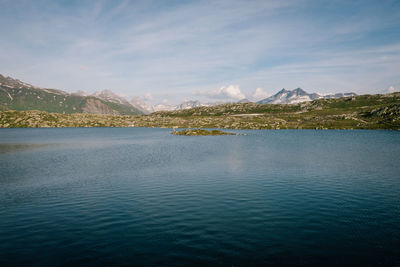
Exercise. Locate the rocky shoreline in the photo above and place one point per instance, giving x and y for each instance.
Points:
(200, 132)
(361, 112)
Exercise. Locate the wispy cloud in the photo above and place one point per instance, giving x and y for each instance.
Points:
(177, 48)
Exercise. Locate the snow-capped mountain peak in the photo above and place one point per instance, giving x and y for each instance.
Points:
(140, 104)
(298, 95)
(10, 82)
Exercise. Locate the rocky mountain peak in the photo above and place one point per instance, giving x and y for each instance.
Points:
(299, 91)
(282, 91)
(109, 95)
(10, 82)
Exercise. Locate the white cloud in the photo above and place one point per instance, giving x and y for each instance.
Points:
(225, 92)
(134, 47)
(260, 94)
(231, 91)
(390, 90)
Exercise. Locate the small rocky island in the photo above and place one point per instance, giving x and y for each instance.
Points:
(197, 132)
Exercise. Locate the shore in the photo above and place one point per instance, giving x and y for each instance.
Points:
(361, 112)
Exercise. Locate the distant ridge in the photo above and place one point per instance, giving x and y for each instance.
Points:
(140, 104)
(18, 95)
(110, 96)
(298, 95)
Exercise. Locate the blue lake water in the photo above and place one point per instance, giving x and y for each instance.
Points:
(140, 196)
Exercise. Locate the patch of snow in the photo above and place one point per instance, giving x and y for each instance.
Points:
(8, 94)
(300, 99)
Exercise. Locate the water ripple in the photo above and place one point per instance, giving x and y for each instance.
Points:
(138, 196)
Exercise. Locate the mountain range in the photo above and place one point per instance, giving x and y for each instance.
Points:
(184, 105)
(297, 96)
(18, 95)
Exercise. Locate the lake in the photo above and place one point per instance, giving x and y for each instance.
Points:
(141, 196)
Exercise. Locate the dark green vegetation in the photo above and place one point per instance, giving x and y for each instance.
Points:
(359, 112)
(201, 132)
(16, 95)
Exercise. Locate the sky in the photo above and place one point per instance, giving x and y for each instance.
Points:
(169, 51)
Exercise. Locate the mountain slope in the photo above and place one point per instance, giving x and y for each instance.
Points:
(18, 95)
(141, 105)
(110, 96)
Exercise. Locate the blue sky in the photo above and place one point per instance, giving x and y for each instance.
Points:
(169, 51)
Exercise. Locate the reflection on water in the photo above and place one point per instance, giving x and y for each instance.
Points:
(6, 148)
(138, 196)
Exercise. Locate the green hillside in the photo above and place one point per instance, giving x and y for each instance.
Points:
(16, 95)
(359, 112)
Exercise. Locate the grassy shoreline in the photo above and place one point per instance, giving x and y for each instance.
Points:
(361, 112)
